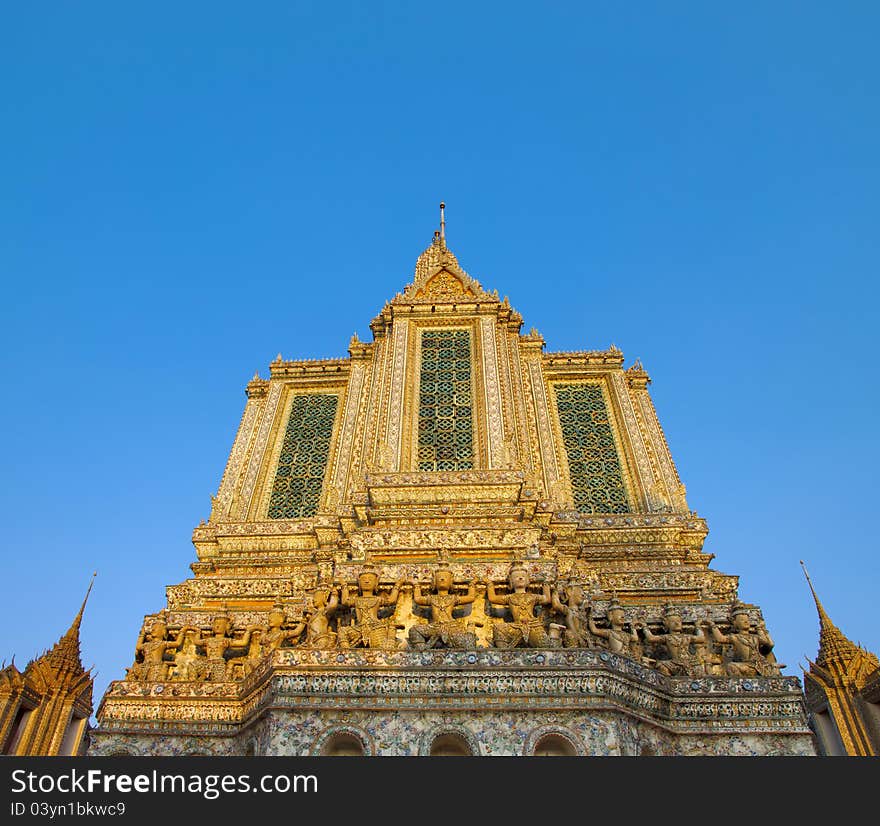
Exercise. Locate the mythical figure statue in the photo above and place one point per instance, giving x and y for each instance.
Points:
(681, 660)
(238, 667)
(368, 629)
(710, 661)
(324, 603)
(526, 629)
(751, 650)
(264, 641)
(279, 631)
(218, 644)
(152, 646)
(188, 665)
(569, 600)
(617, 639)
(443, 629)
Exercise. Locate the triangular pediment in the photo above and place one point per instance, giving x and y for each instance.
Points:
(445, 285)
(439, 277)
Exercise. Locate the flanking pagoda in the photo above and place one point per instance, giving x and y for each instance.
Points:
(452, 542)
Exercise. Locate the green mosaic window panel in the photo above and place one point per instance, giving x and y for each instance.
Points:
(300, 474)
(446, 427)
(593, 463)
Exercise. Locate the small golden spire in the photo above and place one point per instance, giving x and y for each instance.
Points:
(78, 619)
(834, 645)
(442, 223)
(64, 655)
(824, 620)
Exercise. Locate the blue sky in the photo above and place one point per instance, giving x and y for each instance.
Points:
(188, 189)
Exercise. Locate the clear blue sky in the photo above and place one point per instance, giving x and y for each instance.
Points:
(184, 187)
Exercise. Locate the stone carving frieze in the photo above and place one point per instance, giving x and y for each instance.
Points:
(447, 477)
(643, 520)
(271, 543)
(714, 584)
(433, 539)
(254, 566)
(428, 513)
(278, 527)
(214, 710)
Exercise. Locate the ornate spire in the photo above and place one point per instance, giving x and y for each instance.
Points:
(439, 277)
(834, 646)
(65, 654)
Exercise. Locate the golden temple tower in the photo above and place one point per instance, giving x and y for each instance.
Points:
(45, 710)
(843, 691)
(452, 542)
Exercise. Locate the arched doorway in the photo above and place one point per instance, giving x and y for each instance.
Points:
(450, 744)
(343, 744)
(554, 745)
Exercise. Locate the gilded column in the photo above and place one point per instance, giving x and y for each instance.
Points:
(258, 449)
(257, 390)
(665, 472)
(373, 414)
(538, 397)
(343, 454)
(394, 412)
(633, 438)
(492, 391)
(525, 430)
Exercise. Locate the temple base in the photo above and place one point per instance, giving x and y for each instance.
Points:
(484, 702)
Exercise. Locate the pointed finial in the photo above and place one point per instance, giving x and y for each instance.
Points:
(804, 568)
(812, 589)
(78, 619)
(824, 619)
(442, 222)
(833, 645)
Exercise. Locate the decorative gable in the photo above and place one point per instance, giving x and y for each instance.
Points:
(439, 276)
(445, 285)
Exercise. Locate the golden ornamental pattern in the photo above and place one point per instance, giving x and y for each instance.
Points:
(492, 393)
(344, 450)
(635, 440)
(394, 411)
(258, 448)
(223, 501)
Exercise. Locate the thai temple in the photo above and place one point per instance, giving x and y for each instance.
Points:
(452, 541)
